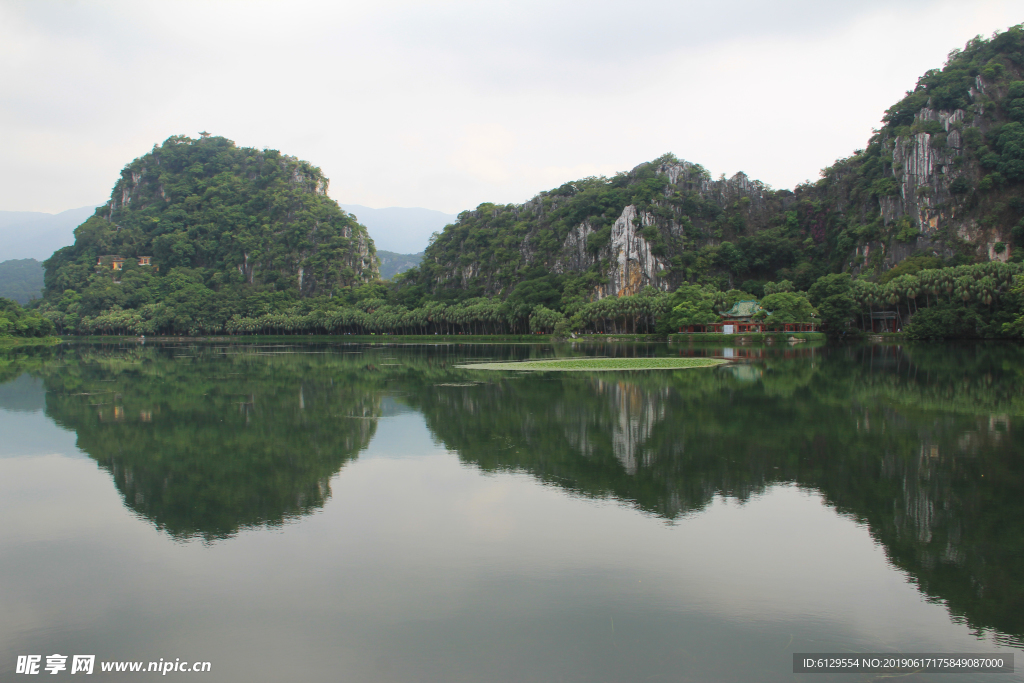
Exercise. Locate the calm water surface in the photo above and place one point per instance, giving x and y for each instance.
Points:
(318, 512)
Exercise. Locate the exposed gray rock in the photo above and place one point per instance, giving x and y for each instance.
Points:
(633, 265)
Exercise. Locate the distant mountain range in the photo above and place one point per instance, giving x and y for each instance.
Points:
(21, 280)
(35, 235)
(400, 230)
(391, 264)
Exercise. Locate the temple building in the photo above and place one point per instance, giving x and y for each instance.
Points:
(116, 262)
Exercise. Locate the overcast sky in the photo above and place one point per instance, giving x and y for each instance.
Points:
(448, 104)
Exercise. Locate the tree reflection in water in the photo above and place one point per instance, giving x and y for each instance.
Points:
(915, 442)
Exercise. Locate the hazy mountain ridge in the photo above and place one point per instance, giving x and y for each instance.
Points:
(392, 264)
(29, 234)
(398, 229)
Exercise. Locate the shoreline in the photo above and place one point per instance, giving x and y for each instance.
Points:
(10, 342)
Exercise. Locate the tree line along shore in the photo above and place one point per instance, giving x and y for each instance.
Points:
(973, 301)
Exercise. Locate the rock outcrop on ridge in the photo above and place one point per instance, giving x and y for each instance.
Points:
(943, 176)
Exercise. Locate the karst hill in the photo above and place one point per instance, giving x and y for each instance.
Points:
(200, 235)
(942, 177)
(233, 215)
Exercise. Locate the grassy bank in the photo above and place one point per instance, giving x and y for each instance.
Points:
(694, 338)
(331, 339)
(597, 364)
(11, 342)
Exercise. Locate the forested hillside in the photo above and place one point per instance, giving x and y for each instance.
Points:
(17, 322)
(21, 280)
(928, 217)
(228, 230)
(391, 264)
(943, 177)
(945, 173)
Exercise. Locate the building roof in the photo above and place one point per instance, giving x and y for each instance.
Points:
(742, 309)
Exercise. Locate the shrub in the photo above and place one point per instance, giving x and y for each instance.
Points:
(906, 230)
(960, 186)
(944, 321)
(596, 241)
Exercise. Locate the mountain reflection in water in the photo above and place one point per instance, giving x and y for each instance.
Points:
(916, 443)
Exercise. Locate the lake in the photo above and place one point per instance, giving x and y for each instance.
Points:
(354, 512)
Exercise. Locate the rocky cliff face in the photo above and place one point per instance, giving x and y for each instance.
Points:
(672, 208)
(631, 263)
(944, 176)
(925, 167)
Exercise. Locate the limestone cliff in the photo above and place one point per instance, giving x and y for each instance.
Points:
(937, 179)
(635, 230)
(944, 176)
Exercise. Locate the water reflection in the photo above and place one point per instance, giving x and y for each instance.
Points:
(205, 443)
(207, 440)
(916, 443)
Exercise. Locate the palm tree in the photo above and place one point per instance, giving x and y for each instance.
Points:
(964, 287)
(986, 289)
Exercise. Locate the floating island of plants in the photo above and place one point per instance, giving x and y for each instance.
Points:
(592, 364)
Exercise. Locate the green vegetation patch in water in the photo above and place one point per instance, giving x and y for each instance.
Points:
(590, 364)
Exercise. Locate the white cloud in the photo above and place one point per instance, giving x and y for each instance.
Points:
(449, 104)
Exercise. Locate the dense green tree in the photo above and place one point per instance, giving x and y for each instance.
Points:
(232, 215)
(543, 320)
(787, 307)
(832, 295)
(1010, 144)
(691, 305)
(17, 322)
(944, 321)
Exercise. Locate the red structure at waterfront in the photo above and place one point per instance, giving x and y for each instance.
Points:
(740, 320)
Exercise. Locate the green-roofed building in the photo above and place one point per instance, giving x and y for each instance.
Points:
(742, 312)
